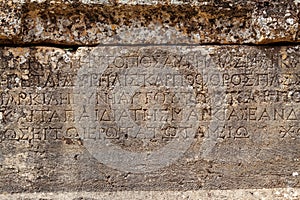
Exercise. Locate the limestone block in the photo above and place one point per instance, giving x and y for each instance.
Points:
(150, 117)
(92, 22)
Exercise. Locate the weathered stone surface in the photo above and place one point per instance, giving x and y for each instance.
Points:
(150, 113)
(149, 118)
(249, 194)
(95, 22)
(10, 21)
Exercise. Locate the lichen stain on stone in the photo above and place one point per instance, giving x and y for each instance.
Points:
(160, 22)
(164, 22)
(74, 22)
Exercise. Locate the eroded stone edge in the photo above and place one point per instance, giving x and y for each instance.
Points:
(93, 22)
(274, 193)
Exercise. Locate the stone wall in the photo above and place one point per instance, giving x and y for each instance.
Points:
(163, 99)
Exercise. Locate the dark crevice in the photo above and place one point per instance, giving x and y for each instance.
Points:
(74, 47)
(274, 44)
(61, 46)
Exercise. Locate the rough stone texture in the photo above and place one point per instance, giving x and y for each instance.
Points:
(92, 22)
(249, 194)
(10, 15)
(151, 112)
(236, 126)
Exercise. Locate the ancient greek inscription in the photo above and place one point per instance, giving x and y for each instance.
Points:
(144, 106)
(140, 109)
